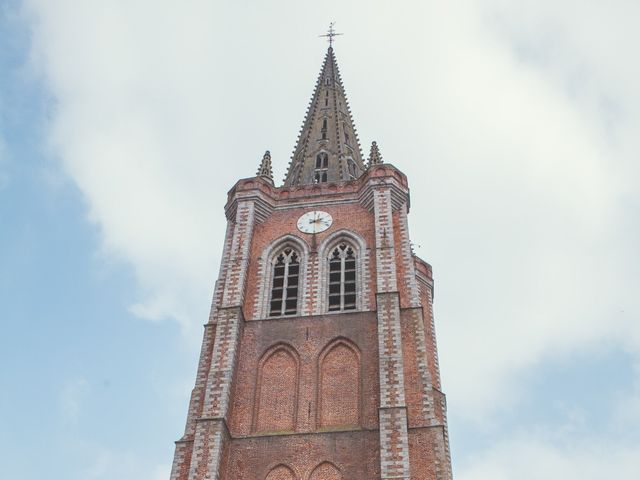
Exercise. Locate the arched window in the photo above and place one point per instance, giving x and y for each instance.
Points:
(322, 166)
(284, 289)
(351, 169)
(342, 278)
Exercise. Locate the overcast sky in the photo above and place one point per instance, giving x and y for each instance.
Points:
(124, 123)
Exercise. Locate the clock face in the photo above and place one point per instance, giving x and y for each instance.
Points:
(314, 222)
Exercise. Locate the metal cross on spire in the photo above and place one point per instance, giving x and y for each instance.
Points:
(331, 33)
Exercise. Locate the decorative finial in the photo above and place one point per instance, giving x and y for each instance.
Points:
(330, 34)
(265, 168)
(374, 156)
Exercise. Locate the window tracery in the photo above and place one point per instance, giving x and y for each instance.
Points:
(284, 286)
(342, 278)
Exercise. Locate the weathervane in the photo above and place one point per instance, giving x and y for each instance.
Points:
(331, 33)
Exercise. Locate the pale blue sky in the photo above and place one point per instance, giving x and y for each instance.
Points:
(123, 124)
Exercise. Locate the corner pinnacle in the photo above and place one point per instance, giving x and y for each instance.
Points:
(264, 171)
(374, 156)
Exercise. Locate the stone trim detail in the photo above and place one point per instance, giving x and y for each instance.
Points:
(211, 437)
(412, 292)
(210, 440)
(398, 191)
(311, 298)
(196, 403)
(448, 473)
(394, 441)
(181, 460)
(218, 289)
(437, 383)
(385, 249)
(394, 447)
(390, 351)
(234, 287)
(223, 361)
(419, 337)
(265, 273)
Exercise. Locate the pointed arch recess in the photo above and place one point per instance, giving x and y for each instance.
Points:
(280, 472)
(265, 272)
(326, 471)
(276, 397)
(362, 268)
(339, 391)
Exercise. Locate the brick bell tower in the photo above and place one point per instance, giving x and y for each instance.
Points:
(319, 358)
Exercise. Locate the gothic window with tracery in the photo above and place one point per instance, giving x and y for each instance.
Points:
(284, 289)
(322, 166)
(342, 278)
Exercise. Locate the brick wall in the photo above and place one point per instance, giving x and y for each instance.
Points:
(319, 395)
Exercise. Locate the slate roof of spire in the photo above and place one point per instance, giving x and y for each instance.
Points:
(328, 128)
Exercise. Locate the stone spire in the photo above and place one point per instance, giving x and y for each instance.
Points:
(374, 156)
(264, 170)
(328, 149)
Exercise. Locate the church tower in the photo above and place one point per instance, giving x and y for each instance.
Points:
(319, 357)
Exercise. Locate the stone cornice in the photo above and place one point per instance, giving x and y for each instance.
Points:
(268, 198)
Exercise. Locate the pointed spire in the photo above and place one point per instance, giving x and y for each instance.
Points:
(328, 149)
(264, 171)
(374, 156)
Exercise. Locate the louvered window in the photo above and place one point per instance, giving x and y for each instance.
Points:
(342, 278)
(284, 290)
(351, 168)
(322, 166)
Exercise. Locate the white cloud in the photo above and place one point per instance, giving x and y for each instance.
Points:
(521, 120)
(524, 198)
(135, 127)
(533, 456)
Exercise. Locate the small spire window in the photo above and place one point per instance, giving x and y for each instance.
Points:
(324, 129)
(342, 278)
(284, 289)
(351, 169)
(322, 167)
